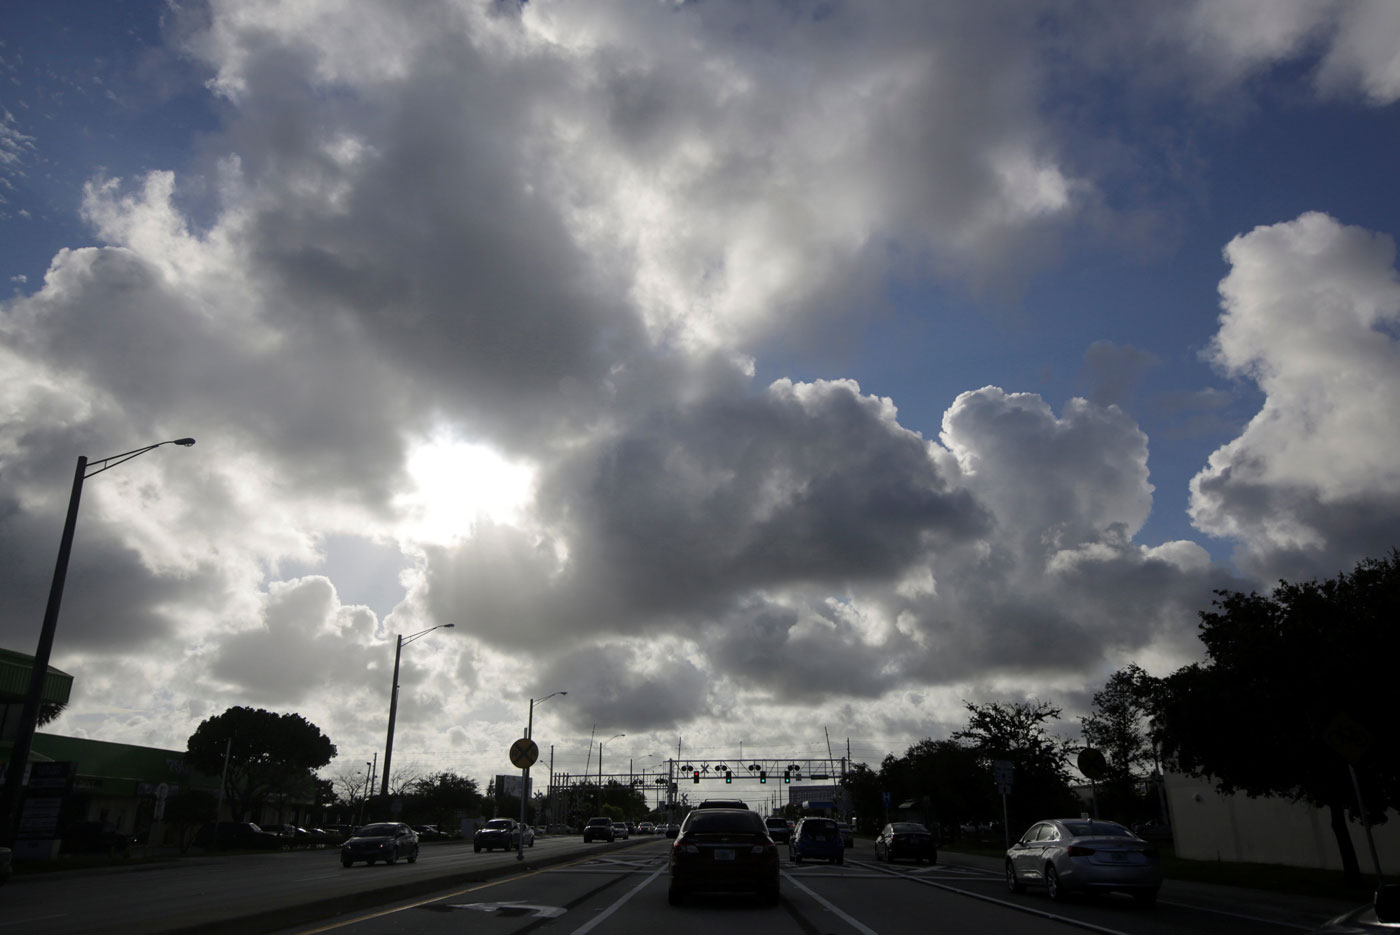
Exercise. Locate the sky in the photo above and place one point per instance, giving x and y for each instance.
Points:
(755, 373)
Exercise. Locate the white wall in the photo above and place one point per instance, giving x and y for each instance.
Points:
(1211, 826)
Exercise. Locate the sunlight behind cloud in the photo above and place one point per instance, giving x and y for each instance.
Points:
(458, 484)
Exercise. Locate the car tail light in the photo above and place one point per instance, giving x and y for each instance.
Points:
(1079, 850)
(685, 848)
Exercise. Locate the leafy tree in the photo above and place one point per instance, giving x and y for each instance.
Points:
(955, 780)
(866, 795)
(1018, 731)
(440, 797)
(1287, 673)
(1117, 726)
(269, 755)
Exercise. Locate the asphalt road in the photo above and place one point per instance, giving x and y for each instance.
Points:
(575, 889)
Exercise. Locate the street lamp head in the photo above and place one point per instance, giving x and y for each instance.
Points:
(448, 626)
(183, 442)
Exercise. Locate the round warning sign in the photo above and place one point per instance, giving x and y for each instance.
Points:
(524, 753)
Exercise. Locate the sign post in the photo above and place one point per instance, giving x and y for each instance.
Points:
(1003, 771)
(523, 753)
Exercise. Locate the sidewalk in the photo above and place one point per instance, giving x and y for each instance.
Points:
(1305, 912)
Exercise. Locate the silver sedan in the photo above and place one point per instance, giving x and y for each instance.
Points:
(1079, 854)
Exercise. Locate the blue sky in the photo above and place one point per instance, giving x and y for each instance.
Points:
(835, 360)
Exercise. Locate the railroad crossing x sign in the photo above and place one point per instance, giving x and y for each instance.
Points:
(524, 753)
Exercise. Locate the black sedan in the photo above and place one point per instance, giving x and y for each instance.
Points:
(900, 839)
(385, 840)
(498, 832)
(723, 849)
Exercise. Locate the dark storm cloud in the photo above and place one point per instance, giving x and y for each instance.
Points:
(626, 692)
(691, 507)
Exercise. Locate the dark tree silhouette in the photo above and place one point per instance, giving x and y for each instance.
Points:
(270, 755)
(1297, 683)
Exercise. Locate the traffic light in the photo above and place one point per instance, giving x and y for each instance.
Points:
(728, 776)
(787, 775)
(695, 776)
(763, 775)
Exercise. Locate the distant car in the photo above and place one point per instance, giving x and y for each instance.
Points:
(1085, 855)
(1382, 915)
(901, 839)
(671, 830)
(620, 830)
(778, 829)
(723, 849)
(384, 840)
(848, 834)
(238, 835)
(498, 832)
(816, 838)
(646, 827)
(599, 829)
(430, 833)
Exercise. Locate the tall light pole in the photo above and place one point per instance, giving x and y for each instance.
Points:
(525, 775)
(29, 715)
(394, 697)
(600, 767)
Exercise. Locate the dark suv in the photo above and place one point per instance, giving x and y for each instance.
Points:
(599, 829)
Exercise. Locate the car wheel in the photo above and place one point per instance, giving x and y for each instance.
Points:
(840, 860)
(1053, 889)
(675, 895)
(797, 859)
(347, 863)
(532, 843)
(1145, 898)
(476, 848)
(1013, 882)
(391, 859)
(933, 858)
(413, 856)
(769, 895)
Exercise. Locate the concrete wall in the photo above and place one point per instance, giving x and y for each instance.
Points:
(1211, 826)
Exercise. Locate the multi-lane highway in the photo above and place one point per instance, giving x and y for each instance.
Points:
(575, 889)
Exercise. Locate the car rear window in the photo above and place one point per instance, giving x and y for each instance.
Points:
(907, 827)
(1084, 829)
(713, 820)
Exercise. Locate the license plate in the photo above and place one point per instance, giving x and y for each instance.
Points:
(819, 837)
(724, 855)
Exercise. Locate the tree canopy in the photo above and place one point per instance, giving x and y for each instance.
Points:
(1289, 677)
(269, 755)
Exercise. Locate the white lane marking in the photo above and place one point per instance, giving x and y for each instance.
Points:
(596, 920)
(1030, 910)
(1238, 915)
(56, 915)
(540, 912)
(855, 924)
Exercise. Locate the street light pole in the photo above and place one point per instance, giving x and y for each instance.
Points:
(525, 776)
(29, 715)
(600, 767)
(394, 698)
